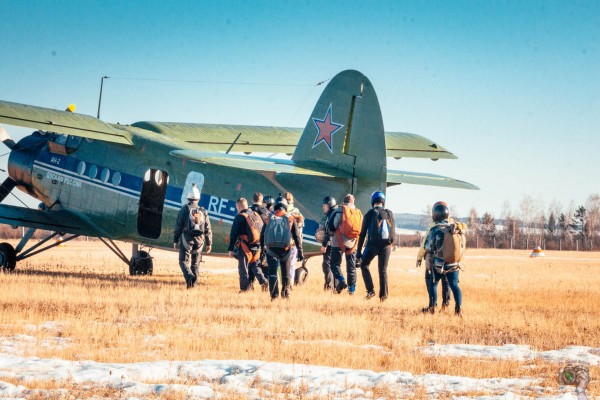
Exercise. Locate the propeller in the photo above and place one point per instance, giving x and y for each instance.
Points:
(6, 139)
(9, 184)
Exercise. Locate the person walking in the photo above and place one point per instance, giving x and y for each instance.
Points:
(329, 206)
(444, 264)
(429, 265)
(346, 224)
(244, 244)
(277, 237)
(192, 230)
(378, 229)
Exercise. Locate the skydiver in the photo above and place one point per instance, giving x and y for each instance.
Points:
(192, 228)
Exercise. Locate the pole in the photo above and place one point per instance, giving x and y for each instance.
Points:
(100, 98)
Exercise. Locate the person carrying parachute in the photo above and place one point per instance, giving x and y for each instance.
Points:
(244, 238)
(446, 242)
(278, 235)
(378, 228)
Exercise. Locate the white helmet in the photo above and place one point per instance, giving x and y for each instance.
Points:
(193, 194)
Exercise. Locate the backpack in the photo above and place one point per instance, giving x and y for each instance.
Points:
(261, 211)
(255, 225)
(278, 232)
(455, 242)
(382, 231)
(298, 217)
(196, 220)
(351, 222)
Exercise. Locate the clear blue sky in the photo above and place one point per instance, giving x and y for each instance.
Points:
(511, 87)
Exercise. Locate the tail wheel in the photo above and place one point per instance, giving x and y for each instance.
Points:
(8, 257)
(141, 265)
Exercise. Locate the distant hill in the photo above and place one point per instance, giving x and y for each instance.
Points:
(412, 222)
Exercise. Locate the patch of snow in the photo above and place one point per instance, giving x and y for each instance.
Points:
(573, 354)
(246, 377)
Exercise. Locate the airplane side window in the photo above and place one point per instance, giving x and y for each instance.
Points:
(105, 175)
(147, 175)
(116, 179)
(81, 167)
(158, 177)
(93, 171)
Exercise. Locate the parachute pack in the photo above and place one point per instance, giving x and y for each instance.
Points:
(196, 220)
(278, 232)
(455, 242)
(351, 222)
(255, 225)
(382, 229)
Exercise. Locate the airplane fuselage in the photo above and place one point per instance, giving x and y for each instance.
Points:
(133, 193)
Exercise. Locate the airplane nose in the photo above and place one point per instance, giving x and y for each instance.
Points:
(20, 161)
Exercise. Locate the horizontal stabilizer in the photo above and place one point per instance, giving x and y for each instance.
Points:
(417, 178)
(59, 221)
(64, 122)
(410, 145)
(257, 163)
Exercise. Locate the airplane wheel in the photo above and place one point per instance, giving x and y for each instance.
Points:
(301, 274)
(8, 257)
(141, 265)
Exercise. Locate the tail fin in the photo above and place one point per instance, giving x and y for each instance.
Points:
(345, 131)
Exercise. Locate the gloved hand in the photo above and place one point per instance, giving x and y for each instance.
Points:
(208, 249)
(175, 246)
(300, 255)
(419, 263)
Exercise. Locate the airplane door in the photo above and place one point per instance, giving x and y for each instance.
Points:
(152, 200)
(193, 177)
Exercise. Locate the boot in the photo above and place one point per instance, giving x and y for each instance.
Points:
(370, 295)
(341, 286)
(445, 304)
(428, 310)
(458, 311)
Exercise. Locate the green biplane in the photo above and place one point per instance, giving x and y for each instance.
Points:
(127, 182)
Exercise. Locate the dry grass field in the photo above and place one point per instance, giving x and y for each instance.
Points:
(82, 293)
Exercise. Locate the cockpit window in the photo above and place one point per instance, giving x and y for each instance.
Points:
(63, 144)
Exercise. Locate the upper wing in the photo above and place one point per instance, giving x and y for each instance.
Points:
(61, 220)
(272, 139)
(257, 163)
(416, 178)
(64, 122)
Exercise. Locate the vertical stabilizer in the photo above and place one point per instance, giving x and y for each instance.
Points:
(345, 131)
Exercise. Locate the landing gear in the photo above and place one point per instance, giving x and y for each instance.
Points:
(141, 264)
(8, 257)
(301, 274)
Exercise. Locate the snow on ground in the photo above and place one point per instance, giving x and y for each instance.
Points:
(572, 354)
(207, 378)
(258, 379)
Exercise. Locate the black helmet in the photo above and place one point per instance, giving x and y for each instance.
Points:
(330, 201)
(269, 201)
(440, 212)
(281, 203)
(377, 197)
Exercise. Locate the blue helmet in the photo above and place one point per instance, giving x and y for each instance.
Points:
(377, 197)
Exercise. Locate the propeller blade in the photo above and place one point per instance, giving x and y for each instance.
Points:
(6, 139)
(6, 187)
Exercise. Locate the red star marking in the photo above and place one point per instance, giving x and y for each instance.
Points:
(326, 128)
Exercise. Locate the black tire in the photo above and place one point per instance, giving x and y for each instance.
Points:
(142, 264)
(300, 275)
(8, 257)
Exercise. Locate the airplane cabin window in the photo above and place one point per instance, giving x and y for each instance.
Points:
(93, 171)
(116, 179)
(105, 175)
(81, 167)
